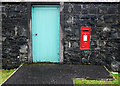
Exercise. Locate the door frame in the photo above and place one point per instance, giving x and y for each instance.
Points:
(30, 54)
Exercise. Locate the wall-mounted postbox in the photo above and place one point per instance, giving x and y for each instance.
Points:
(85, 38)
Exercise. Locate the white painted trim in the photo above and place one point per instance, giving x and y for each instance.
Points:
(73, 79)
(59, 0)
(12, 74)
(110, 73)
(61, 34)
(114, 72)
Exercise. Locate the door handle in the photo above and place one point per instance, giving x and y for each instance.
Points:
(35, 34)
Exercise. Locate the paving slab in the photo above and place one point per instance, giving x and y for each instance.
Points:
(47, 74)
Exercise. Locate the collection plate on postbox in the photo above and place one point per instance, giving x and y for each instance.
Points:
(85, 38)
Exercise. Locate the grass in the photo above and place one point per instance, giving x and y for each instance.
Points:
(4, 74)
(82, 82)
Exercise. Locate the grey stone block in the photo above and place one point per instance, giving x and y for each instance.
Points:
(115, 65)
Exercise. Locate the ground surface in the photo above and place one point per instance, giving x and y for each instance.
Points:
(56, 74)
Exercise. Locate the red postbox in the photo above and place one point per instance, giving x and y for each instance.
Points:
(85, 38)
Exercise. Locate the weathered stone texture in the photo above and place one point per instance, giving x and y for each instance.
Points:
(104, 20)
(0, 37)
(14, 34)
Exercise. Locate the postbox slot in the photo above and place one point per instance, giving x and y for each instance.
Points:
(85, 30)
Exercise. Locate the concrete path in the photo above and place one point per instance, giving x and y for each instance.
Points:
(56, 74)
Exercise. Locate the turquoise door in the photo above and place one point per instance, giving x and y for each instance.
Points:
(46, 33)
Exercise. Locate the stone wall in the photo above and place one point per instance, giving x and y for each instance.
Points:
(15, 33)
(103, 18)
(0, 37)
